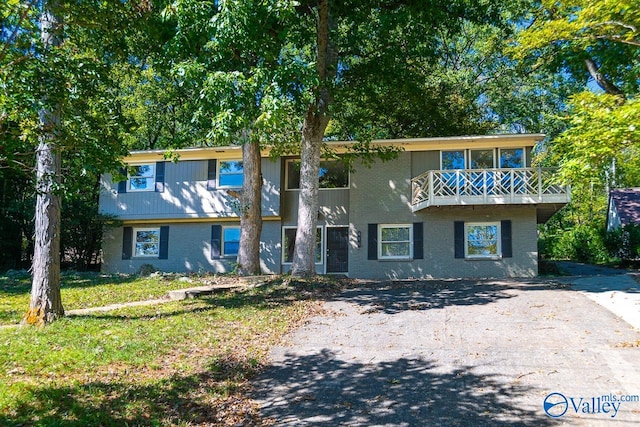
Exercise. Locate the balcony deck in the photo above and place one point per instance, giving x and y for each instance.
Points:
(487, 187)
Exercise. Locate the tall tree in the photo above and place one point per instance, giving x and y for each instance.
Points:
(235, 62)
(360, 51)
(58, 102)
(46, 302)
(599, 44)
(315, 123)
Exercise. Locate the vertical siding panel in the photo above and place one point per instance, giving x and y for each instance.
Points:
(271, 188)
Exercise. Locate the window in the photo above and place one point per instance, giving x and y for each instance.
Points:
(452, 160)
(289, 241)
(395, 241)
(230, 241)
(230, 173)
(146, 242)
(481, 159)
(482, 240)
(512, 158)
(332, 174)
(142, 177)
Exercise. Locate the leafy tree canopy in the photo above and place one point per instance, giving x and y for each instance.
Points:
(589, 39)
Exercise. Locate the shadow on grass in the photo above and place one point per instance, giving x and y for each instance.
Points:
(269, 296)
(22, 284)
(320, 389)
(212, 397)
(386, 297)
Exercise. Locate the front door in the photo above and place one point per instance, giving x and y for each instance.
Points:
(337, 249)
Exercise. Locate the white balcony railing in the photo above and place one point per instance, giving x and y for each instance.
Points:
(487, 187)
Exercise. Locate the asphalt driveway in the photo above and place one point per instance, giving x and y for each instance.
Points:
(457, 353)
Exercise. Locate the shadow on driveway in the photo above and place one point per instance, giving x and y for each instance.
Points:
(320, 389)
(433, 294)
(450, 353)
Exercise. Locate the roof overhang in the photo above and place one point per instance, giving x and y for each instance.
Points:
(407, 144)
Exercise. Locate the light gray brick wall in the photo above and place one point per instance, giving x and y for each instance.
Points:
(381, 195)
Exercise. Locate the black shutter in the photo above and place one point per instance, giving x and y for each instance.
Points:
(216, 234)
(122, 185)
(159, 177)
(505, 230)
(127, 242)
(418, 247)
(372, 242)
(164, 242)
(211, 175)
(458, 238)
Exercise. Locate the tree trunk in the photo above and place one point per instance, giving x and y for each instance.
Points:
(250, 211)
(46, 302)
(313, 128)
(304, 257)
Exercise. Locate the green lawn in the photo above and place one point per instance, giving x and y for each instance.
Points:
(83, 290)
(178, 363)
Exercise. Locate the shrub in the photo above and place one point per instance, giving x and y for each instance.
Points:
(624, 242)
(583, 242)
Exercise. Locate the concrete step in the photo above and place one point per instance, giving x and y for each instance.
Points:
(199, 291)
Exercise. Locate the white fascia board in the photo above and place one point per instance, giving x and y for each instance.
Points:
(408, 144)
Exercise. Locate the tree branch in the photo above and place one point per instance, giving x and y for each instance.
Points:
(602, 81)
(16, 30)
(618, 24)
(619, 39)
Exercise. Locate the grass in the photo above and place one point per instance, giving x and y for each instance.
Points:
(84, 290)
(178, 363)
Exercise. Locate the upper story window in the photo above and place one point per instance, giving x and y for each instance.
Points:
(142, 177)
(481, 159)
(482, 240)
(332, 174)
(231, 173)
(452, 160)
(512, 158)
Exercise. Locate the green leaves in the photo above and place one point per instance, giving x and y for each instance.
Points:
(602, 142)
(565, 34)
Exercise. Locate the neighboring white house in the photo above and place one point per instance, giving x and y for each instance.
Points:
(445, 207)
(624, 208)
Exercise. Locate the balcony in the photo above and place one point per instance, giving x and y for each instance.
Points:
(487, 187)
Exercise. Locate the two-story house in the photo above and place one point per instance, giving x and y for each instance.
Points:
(445, 207)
